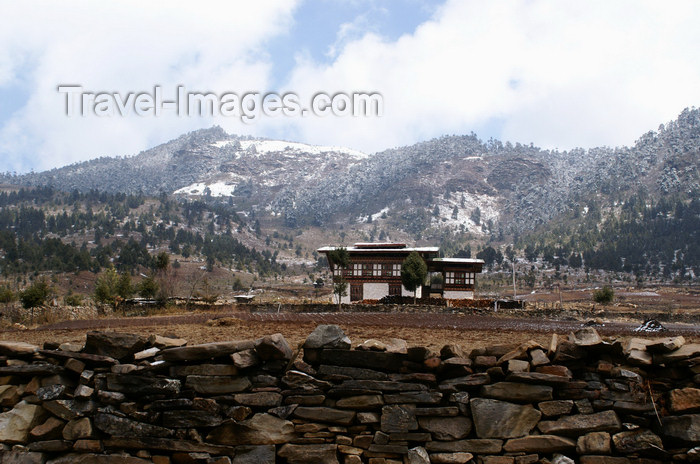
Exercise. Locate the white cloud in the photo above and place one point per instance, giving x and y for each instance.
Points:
(126, 46)
(556, 73)
(552, 72)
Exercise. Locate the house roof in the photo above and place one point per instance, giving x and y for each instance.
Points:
(381, 248)
(459, 260)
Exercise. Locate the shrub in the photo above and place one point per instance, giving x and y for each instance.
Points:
(6, 295)
(35, 295)
(604, 295)
(148, 288)
(73, 299)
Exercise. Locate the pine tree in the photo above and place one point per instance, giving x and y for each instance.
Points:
(413, 273)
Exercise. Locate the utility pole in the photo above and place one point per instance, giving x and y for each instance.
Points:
(514, 293)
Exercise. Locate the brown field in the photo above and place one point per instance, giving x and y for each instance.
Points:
(433, 330)
(677, 308)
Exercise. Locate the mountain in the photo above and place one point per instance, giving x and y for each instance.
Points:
(453, 182)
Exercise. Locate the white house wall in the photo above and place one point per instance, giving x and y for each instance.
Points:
(457, 294)
(375, 291)
(405, 292)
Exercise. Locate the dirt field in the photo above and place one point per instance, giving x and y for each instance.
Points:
(418, 329)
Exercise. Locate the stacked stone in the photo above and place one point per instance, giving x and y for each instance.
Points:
(123, 398)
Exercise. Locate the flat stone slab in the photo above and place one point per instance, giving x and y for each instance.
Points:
(93, 360)
(203, 369)
(40, 369)
(517, 392)
(167, 444)
(636, 441)
(360, 402)
(684, 400)
(17, 349)
(446, 428)
(135, 385)
(684, 428)
(499, 419)
(390, 362)
(467, 382)
(399, 418)
(90, 458)
(537, 378)
(556, 407)
(190, 419)
(451, 458)
(121, 426)
(206, 351)
(665, 345)
(261, 429)
(605, 421)
(543, 444)
(217, 385)
(304, 454)
(356, 373)
(476, 446)
(259, 399)
(322, 414)
(685, 352)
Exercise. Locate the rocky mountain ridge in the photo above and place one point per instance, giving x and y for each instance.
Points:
(457, 182)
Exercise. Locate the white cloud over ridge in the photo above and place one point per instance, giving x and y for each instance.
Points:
(556, 73)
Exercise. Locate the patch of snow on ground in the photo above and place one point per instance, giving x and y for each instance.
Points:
(276, 146)
(218, 189)
(376, 216)
(486, 203)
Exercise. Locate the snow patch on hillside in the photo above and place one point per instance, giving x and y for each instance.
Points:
(463, 221)
(281, 146)
(217, 189)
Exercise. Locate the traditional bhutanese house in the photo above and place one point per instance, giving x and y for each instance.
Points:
(375, 272)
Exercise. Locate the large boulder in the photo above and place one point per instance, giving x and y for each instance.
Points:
(499, 419)
(117, 345)
(327, 336)
(273, 347)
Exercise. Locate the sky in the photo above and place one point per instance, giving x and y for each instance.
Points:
(559, 74)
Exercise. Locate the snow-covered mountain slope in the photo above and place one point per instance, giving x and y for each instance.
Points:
(452, 182)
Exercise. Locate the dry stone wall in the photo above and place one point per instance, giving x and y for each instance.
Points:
(122, 398)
